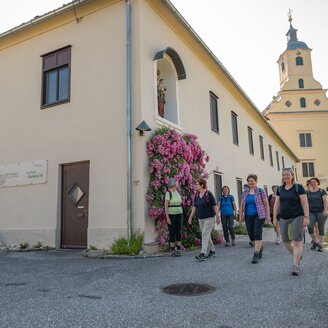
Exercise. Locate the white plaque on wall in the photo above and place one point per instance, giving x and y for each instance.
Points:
(22, 174)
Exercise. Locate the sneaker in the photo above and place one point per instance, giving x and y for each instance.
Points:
(201, 257)
(251, 244)
(295, 270)
(256, 258)
(211, 254)
(177, 253)
(320, 248)
(314, 246)
(278, 242)
(227, 243)
(233, 242)
(260, 253)
(173, 253)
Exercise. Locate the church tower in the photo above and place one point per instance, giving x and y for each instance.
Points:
(299, 112)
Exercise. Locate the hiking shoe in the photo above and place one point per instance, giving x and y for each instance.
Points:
(295, 270)
(201, 257)
(227, 243)
(233, 242)
(260, 253)
(320, 248)
(173, 253)
(314, 246)
(251, 244)
(278, 242)
(256, 258)
(211, 254)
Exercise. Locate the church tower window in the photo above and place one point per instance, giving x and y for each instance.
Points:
(299, 61)
(303, 102)
(301, 83)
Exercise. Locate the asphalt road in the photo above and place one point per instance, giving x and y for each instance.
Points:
(58, 289)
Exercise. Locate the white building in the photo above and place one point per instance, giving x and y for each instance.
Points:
(64, 99)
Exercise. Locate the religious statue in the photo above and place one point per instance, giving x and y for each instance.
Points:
(161, 91)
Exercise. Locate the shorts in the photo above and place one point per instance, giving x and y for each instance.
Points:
(292, 229)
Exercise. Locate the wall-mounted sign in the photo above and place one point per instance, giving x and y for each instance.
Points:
(22, 174)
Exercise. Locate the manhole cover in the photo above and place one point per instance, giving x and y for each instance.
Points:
(188, 289)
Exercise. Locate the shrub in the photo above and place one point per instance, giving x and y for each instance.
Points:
(24, 245)
(38, 245)
(93, 248)
(132, 246)
(171, 154)
(240, 229)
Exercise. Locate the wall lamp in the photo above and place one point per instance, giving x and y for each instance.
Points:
(143, 126)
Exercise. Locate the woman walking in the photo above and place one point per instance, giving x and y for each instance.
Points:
(254, 208)
(292, 206)
(272, 199)
(174, 216)
(227, 207)
(318, 208)
(206, 209)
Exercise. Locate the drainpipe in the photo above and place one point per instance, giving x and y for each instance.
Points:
(128, 116)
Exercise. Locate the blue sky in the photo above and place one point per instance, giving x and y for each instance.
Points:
(246, 36)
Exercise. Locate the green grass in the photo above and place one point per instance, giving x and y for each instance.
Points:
(38, 245)
(24, 245)
(133, 246)
(240, 230)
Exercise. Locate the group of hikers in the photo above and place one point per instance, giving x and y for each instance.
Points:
(290, 208)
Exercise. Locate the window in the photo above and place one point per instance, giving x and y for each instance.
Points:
(305, 139)
(239, 189)
(261, 147)
(56, 67)
(308, 169)
(234, 128)
(250, 140)
(301, 83)
(317, 102)
(302, 102)
(282, 66)
(299, 61)
(214, 112)
(217, 184)
(270, 155)
(288, 103)
(283, 161)
(278, 163)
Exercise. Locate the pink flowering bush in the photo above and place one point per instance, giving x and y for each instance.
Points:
(171, 154)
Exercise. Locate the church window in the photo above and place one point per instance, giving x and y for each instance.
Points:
(303, 102)
(288, 103)
(301, 83)
(299, 61)
(282, 66)
(317, 102)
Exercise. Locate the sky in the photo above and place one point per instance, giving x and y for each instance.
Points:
(246, 36)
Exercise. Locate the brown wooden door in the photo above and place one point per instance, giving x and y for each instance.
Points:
(75, 206)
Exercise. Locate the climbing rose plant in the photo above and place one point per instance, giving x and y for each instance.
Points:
(171, 154)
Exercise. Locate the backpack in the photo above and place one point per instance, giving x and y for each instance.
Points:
(230, 197)
(207, 195)
(170, 192)
(296, 189)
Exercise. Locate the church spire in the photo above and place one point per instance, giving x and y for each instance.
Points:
(292, 40)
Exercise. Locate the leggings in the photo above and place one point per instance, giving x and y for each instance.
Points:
(321, 219)
(254, 227)
(227, 225)
(175, 227)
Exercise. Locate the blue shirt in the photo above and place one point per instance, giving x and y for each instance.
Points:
(226, 204)
(250, 206)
